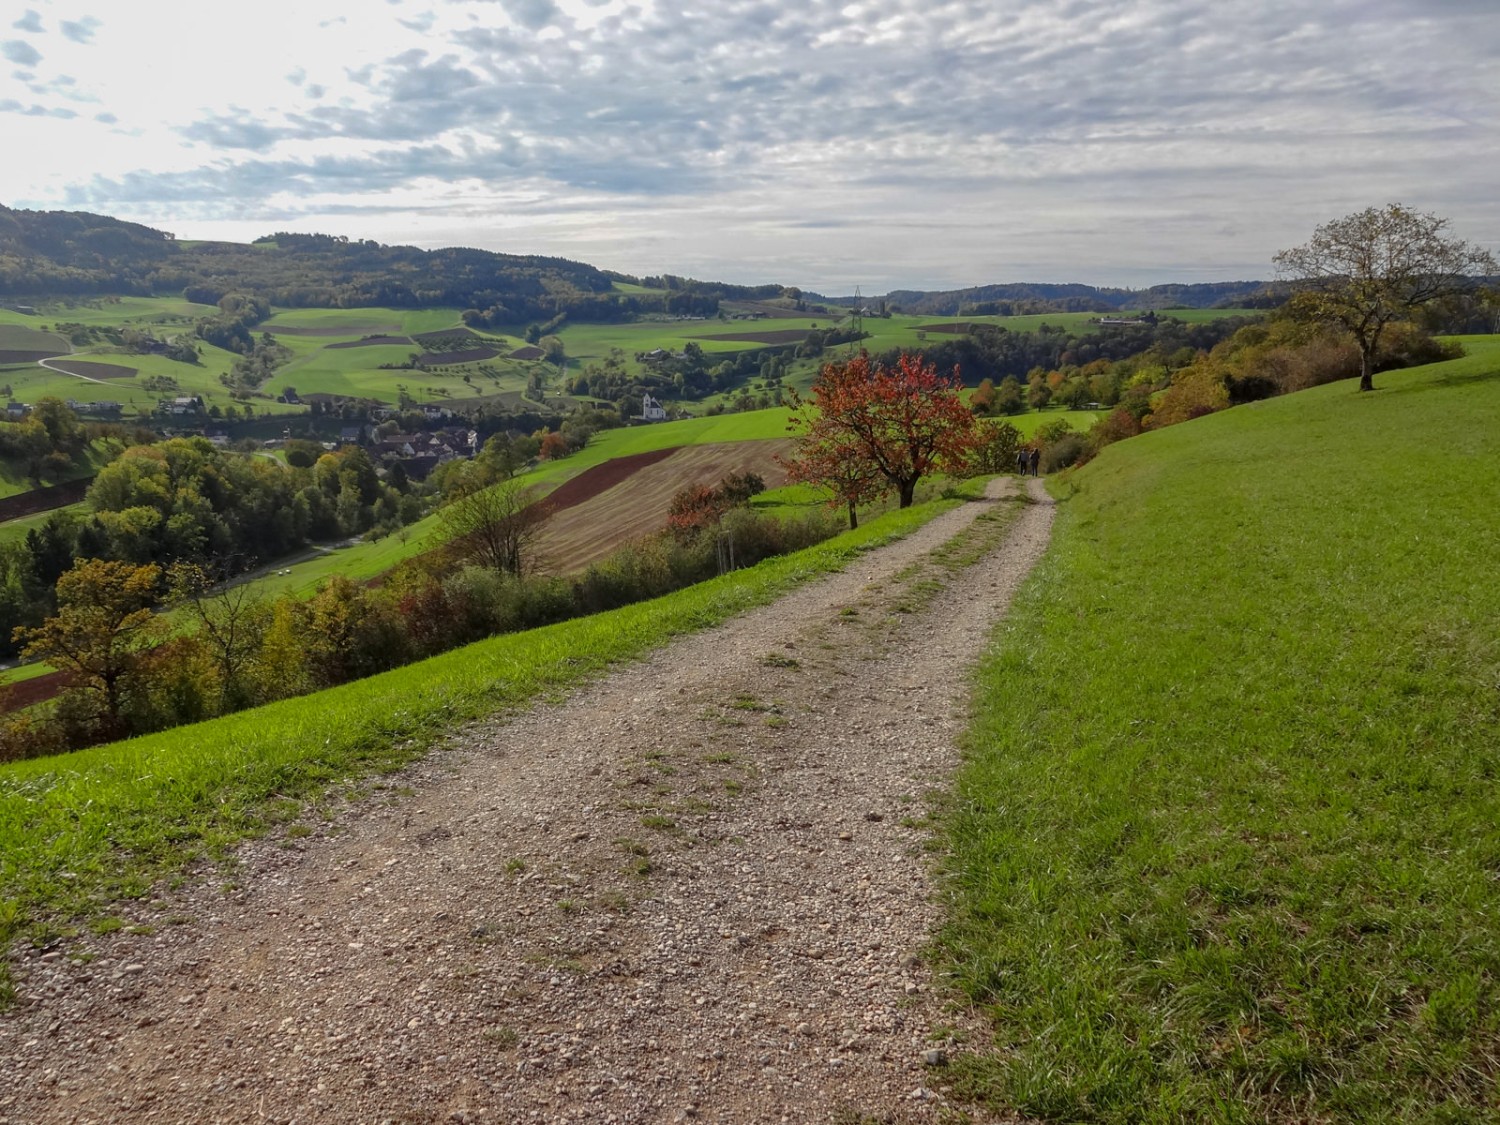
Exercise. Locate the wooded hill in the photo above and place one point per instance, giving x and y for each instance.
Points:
(1024, 298)
(76, 253)
(59, 253)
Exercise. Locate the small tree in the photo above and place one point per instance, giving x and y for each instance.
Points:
(230, 619)
(495, 527)
(902, 423)
(1377, 266)
(104, 623)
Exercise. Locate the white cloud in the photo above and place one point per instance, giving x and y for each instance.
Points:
(959, 140)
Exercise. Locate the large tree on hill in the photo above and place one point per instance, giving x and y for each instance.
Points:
(866, 421)
(1377, 266)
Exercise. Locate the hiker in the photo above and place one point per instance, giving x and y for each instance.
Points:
(1022, 458)
(1036, 460)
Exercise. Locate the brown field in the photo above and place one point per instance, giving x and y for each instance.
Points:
(428, 338)
(26, 693)
(530, 351)
(445, 359)
(43, 499)
(93, 370)
(10, 356)
(770, 336)
(344, 330)
(371, 342)
(634, 504)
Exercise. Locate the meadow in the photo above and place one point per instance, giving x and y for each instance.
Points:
(81, 831)
(1226, 843)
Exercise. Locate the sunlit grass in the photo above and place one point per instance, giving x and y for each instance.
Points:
(1226, 845)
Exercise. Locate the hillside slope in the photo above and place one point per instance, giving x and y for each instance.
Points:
(1228, 837)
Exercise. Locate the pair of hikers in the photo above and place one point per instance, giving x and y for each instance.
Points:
(1028, 461)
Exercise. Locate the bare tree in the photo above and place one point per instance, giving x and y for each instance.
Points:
(495, 526)
(231, 620)
(1377, 266)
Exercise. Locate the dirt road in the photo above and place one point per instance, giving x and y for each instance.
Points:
(695, 890)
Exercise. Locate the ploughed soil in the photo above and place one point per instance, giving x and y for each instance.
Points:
(38, 689)
(369, 342)
(345, 330)
(599, 478)
(12, 355)
(43, 499)
(443, 359)
(630, 501)
(528, 352)
(91, 370)
(428, 339)
(698, 889)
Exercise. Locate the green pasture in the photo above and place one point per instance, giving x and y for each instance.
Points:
(81, 831)
(12, 531)
(26, 338)
(364, 321)
(1226, 842)
(135, 311)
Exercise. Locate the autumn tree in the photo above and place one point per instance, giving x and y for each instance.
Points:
(901, 423)
(103, 625)
(1377, 266)
(495, 527)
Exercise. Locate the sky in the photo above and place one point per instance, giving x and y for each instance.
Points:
(884, 144)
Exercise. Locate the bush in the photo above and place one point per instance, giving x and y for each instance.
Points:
(1063, 452)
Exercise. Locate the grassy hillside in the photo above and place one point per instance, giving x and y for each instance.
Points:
(1226, 845)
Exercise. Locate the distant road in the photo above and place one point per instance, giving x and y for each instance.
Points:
(47, 363)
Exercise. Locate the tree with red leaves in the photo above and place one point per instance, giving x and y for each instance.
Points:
(869, 428)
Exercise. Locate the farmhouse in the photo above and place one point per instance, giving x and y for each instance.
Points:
(15, 411)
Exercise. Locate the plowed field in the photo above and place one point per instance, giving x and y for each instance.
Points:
(10, 356)
(444, 359)
(370, 342)
(631, 501)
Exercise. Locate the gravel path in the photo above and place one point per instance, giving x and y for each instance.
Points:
(695, 890)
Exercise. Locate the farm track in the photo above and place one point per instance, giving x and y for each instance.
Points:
(696, 889)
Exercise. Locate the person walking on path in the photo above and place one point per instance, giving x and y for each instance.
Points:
(1035, 460)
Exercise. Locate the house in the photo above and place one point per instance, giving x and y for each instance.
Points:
(181, 405)
(15, 411)
(652, 410)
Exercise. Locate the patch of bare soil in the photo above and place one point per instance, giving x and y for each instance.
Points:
(370, 342)
(443, 359)
(44, 499)
(14, 356)
(695, 890)
(635, 504)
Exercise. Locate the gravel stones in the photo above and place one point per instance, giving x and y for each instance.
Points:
(695, 890)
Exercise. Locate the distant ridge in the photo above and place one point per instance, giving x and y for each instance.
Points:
(1020, 298)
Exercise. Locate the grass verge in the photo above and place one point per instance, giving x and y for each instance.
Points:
(1227, 843)
(80, 830)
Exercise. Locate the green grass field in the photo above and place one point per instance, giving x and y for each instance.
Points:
(115, 818)
(1227, 843)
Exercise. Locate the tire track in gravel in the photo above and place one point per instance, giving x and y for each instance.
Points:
(694, 890)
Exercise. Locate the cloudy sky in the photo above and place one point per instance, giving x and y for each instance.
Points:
(880, 143)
